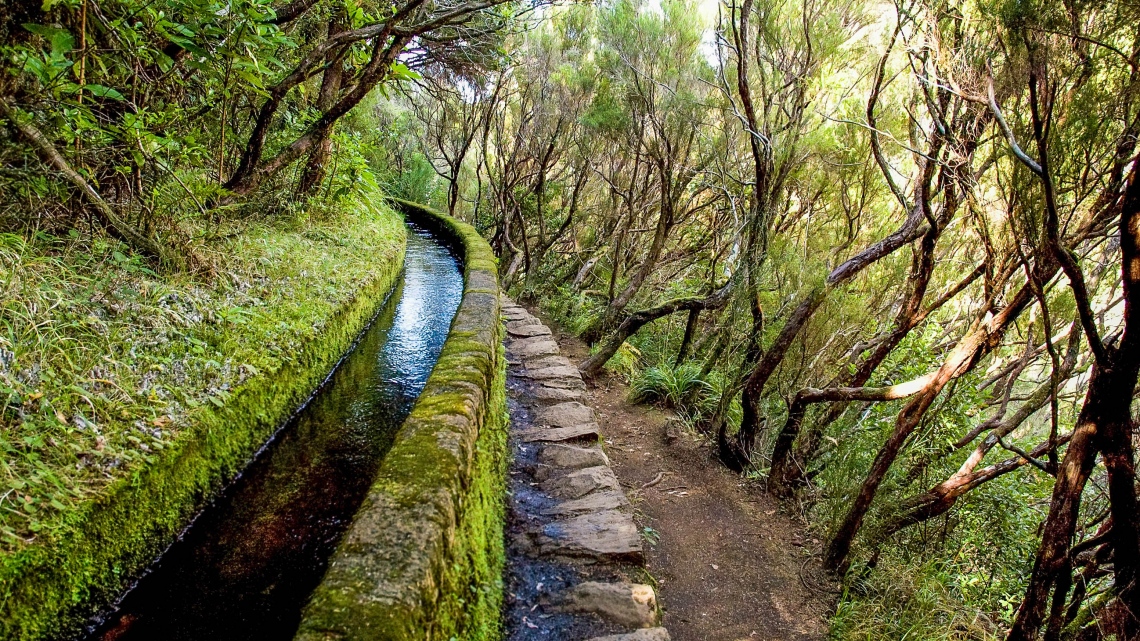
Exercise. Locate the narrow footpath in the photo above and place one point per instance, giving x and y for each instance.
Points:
(724, 562)
(575, 557)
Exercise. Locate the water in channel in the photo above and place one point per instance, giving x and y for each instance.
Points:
(245, 568)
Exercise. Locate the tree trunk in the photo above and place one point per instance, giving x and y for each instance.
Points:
(758, 378)
(51, 156)
(253, 171)
(637, 279)
(786, 472)
(1104, 426)
(316, 167)
(1060, 525)
(983, 336)
(634, 322)
(687, 341)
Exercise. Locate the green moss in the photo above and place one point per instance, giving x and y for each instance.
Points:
(48, 587)
(473, 587)
(424, 556)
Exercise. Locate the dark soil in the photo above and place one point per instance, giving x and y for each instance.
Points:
(729, 564)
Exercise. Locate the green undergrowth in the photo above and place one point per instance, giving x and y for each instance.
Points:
(129, 396)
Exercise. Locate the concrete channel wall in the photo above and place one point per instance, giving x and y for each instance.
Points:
(423, 558)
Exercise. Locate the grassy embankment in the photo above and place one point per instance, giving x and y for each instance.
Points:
(129, 396)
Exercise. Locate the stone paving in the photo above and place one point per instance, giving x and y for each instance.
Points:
(572, 544)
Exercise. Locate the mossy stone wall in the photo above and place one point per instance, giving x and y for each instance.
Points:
(48, 589)
(423, 558)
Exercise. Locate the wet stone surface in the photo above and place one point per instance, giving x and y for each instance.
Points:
(573, 550)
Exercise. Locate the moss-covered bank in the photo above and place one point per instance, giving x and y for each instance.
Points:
(423, 558)
(278, 351)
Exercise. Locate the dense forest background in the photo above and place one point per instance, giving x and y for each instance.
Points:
(881, 255)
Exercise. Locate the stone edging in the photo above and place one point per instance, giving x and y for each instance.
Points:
(423, 557)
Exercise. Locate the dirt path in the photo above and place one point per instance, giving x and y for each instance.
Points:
(728, 565)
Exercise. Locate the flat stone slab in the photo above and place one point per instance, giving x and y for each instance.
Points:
(544, 394)
(543, 362)
(572, 457)
(566, 414)
(645, 634)
(522, 341)
(524, 329)
(632, 605)
(593, 502)
(558, 434)
(564, 382)
(579, 483)
(529, 348)
(608, 535)
(550, 373)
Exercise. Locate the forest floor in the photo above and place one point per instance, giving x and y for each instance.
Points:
(728, 563)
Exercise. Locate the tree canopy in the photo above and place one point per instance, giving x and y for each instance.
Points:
(882, 255)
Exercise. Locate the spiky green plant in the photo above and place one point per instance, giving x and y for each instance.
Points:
(674, 387)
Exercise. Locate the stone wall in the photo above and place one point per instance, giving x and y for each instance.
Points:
(423, 557)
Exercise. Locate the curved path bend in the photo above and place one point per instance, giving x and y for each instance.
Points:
(574, 553)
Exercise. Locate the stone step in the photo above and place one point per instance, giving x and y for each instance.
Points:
(584, 431)
(609, 535)
(527, 348)
(571, 457)
(542, 362)
(594, 502)
(566, 414)
(556, 372)
(543, 395)
(525, 329)
(630, 605)
(578, 483)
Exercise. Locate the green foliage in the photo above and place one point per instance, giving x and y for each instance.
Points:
(674, 387)
(131, 398)
(105, 362)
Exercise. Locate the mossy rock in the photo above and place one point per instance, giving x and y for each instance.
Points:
(423, 558)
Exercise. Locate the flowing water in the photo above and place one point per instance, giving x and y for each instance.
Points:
(246, 566)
